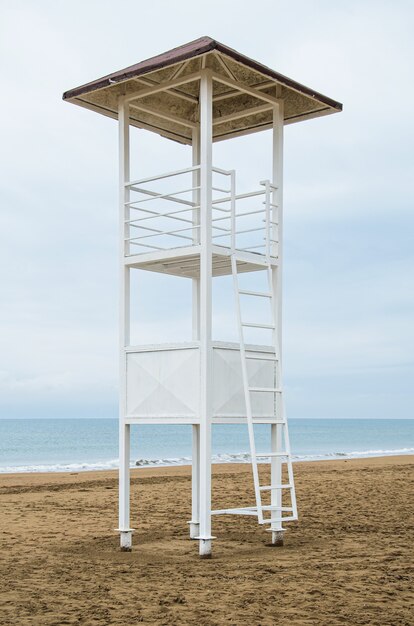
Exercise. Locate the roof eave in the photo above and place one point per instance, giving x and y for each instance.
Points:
(192, 50)
(151, 65)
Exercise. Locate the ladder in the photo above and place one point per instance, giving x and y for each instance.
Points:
(272, 514)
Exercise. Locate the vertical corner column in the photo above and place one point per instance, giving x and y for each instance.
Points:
(124, 330)
(195, 462)
(205, 307)
(277, 217)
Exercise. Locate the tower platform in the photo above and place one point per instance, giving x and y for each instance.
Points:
(185, 261)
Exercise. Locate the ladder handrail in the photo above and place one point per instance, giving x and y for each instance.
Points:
(280, 454)
(247, 394)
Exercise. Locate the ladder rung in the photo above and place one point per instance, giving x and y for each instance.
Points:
(269, 389)
(251, 510)
(273, 487)
(253, 325)
(273, 454)
(260, 294)
(239, 511)
(261, 358)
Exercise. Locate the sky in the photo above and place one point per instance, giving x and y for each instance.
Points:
(348, 337)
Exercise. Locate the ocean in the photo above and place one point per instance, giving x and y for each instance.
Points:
(72, 445)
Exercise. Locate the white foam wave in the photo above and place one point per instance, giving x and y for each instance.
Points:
(244, 457)
(59, 467)
(241, 457)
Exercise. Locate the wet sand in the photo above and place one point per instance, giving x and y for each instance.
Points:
(348, 560)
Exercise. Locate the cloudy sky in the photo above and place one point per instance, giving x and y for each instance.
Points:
(349, 219)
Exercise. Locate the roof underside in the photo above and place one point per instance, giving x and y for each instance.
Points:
(243, 93)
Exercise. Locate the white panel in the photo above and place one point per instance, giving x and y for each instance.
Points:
(228, 397)
(163, 383)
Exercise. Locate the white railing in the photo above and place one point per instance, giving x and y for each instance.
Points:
(162, 218)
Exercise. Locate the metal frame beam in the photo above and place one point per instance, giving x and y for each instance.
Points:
(176, 92)
(165, 86)
(235, 92)
(262, 108)
(256, 93)
(225, 67)
(179, 70)
(163, 115)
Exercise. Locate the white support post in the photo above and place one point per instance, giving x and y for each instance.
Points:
(195, 484)
(233, 210)
(195, 477)
(206, 140)
(124, 486)
(277, 199)
(124, 331)
(196, 232)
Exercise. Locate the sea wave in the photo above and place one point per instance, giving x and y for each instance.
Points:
(59, 467)
(244, 457)
(240, 457)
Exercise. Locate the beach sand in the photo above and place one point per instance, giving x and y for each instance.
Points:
(348, 560)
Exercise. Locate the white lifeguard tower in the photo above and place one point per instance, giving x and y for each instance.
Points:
(194, 223)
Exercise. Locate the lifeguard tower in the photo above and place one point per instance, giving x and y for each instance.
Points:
(195, 223)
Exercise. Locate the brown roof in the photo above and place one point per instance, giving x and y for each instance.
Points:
(304, 102)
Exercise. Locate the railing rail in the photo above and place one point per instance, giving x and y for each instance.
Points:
(236, 222)
(142, 181)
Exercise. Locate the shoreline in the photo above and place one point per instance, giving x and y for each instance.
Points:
(185, 470)
(237, 459)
